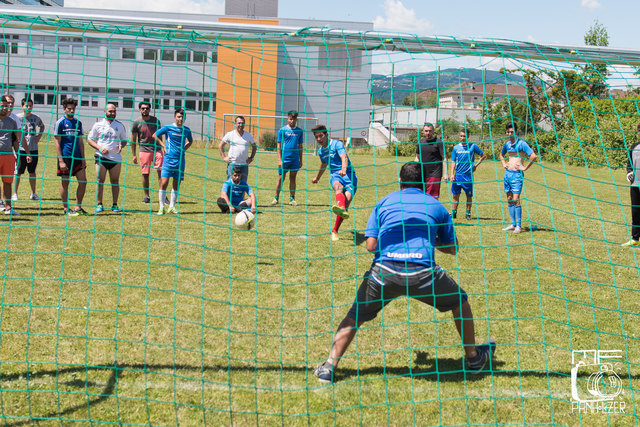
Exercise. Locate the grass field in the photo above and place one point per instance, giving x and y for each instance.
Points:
(138, 319)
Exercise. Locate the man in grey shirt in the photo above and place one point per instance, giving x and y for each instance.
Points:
(633, 176)
(10, 137)
(32, 129)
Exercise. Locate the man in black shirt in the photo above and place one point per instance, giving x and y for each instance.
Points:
(430, 154)
(633, 176)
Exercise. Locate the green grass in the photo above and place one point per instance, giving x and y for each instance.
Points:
(140, 319)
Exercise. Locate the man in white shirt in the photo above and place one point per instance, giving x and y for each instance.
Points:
(108, 137)
(239, 141)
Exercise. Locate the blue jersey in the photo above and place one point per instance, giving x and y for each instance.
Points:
(235, 192)
(406, 224)
(331, 156)
(519, 148)
(176, 138)
(464, 154)
(69, 130)
(291, 140)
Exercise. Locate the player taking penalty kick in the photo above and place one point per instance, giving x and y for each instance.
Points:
(343, 179)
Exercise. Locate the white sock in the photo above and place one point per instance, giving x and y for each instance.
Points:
(162, 194)
(174, 198)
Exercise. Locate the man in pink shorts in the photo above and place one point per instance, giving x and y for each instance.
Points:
(150, 152)
(10, 140)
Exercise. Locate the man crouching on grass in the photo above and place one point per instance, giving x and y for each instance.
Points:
(403, 231)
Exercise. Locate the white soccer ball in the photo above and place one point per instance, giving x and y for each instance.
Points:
(245, 220)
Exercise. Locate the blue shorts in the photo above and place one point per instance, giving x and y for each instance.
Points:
(289, 166)
(172, 168)
(349, 183)
(457, 187)
(513, 181)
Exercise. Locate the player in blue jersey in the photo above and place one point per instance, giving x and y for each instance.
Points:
(289, 149)
(232, 197)
(404, 230)
(70, 150)
(462, 168)
(515, 149)
(179, 139)
(343, 178)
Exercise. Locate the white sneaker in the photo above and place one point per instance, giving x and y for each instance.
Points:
(14, 197)
(11, 211)
(509, 227)
(334, 236)
(517, 230)
(274, 202)
(34, 196)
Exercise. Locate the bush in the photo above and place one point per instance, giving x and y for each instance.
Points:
(404, 149)
(268, 141)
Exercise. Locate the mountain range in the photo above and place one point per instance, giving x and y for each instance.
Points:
(406, 84)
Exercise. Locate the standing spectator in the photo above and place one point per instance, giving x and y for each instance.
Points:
(290, 149)
(108, 137)
(239, 141)
(515, 149)
(633, 176)
(32, 130)
(70, 151)
(150, 151)
(431, 155)
(10, 138)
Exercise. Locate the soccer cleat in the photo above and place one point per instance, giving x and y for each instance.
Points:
(334, 236)
(172, 210)
(293, 202)
(146, 200)
(11, 211)
(454, 214)
(324, 373)
(632, 243)
(340, 211)
(115, 209)
(467, 216)
(509, 227)
(14, 197)
(81, 212)
(99, 208)
(274, 202)
(34, 196)
(485, 353)
(71, 212)
(517, 230)
(161, 210)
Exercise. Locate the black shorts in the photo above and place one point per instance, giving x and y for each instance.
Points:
(108, 164)
(385, 282)
(73, 166)
(23, 165)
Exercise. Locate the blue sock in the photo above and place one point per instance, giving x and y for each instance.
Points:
(518, 214)
(512, 214)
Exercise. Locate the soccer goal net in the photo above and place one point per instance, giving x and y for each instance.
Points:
(125, 316)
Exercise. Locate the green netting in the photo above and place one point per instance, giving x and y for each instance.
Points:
(133, 318)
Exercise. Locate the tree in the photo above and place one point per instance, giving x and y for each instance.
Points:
(595, 75)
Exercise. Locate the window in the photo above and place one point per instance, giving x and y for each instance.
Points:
(114, 53)
(128, 53)
(84, 103)
(127, 103)
(166, 104)
(51, 99)
(214, 57)
(204, 105)
(199, 56)
(93, 51)
(168, 55)
(38, 98)
(178, 103)
(183, 56)
(150, 54)
(190, 104)
(77, 49)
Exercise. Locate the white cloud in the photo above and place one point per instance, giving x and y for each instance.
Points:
(215, 7)
(399, 18)
(590, 4)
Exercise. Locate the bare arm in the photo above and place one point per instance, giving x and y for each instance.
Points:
(252, 197)
(279, 152)
(134, 140)
(452, 173)
(372, 244)
(221, 148)
(254, 148)
(532, 159)
(447, 248)
(345, 164)
(316, 179)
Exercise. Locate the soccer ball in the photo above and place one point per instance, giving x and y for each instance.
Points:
(245, 220)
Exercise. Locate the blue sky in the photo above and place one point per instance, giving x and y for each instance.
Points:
(543, 21)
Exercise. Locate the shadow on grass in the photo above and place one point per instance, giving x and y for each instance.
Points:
(426, 368)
